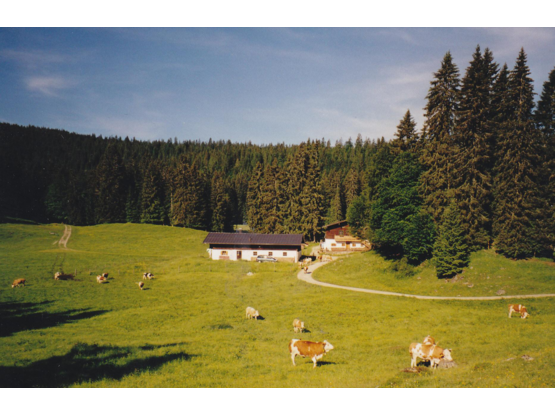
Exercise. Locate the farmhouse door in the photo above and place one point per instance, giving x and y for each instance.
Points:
(239, 254)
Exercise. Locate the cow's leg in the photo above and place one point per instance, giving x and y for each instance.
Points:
(315, 360)
(293, 358)
(510, 312)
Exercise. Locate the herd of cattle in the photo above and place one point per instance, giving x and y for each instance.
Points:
(101, 279)
(427, 351)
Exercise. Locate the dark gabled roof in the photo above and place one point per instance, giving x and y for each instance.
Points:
(252, 239)
(334, 224)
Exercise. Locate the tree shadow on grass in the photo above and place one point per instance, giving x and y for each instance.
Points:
(86, 362)
(16, 317)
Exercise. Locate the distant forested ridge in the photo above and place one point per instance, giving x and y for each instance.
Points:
(479, 173)
(53, 175)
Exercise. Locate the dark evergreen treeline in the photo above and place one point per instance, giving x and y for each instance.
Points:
(480, 172)
(487, 170)
(52, 175)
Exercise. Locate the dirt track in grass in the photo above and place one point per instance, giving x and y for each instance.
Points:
(307, 277)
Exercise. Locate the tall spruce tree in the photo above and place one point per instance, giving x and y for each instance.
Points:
(517, 191)
(219, 201)
(439, 155)
(397, 206)
(273, 199)
(110, 189)
(336, 209)
(451, 253)
(406, 137)
(152, 196)
(189, 204)
(474, 135)
(255, 215)
(545, 123)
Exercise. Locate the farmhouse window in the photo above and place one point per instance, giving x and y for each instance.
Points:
(333, 245)
(224, 253)
(270, 253)
(285, 254)
(254, 253)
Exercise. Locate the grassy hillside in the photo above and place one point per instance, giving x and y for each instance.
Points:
(487, 273)
(188, 328)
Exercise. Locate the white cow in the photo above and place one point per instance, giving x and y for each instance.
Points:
(252, 313)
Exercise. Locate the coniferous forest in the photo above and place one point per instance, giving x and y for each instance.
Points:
(479, 173)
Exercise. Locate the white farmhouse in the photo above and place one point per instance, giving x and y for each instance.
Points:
(247, 246)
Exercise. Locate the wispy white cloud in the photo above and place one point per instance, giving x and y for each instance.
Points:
(33, 58)
(47, 85)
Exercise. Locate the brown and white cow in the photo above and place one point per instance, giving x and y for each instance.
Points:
(147, 275)
(57, 275)
(252, 313)
(429, 340)
(105, 275)
(314, 350)
(432, 353)
(18, 282)
(101, 279)
(298, 325)
(140, 284)
(518, 308)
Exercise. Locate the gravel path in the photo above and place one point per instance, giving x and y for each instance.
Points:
(308, 278)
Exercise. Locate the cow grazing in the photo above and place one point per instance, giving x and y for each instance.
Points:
(140, 284)
(518, 308)
(252, 313)
(431, 353)
(147, 275)
(298, 325)
(101, 279)
(314, 350)
(18, 282)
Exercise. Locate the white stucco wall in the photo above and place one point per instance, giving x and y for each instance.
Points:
(247, 254)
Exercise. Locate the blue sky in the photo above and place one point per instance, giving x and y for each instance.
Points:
(262, 85)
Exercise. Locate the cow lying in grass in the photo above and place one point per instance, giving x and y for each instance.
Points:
(252, 313)
(18, 282)
(101, 279)
(61, 276)
(518, 308)
(314, 350)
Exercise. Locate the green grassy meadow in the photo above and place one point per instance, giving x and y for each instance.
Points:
(188, 328)
(486, 274)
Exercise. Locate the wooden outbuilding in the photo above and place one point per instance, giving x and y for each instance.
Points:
(338, 238)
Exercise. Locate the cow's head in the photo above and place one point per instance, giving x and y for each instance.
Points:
(327, 346)
(524, 312)
(256, 313)
(429, 340)
(302, 324)
(447, 355)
